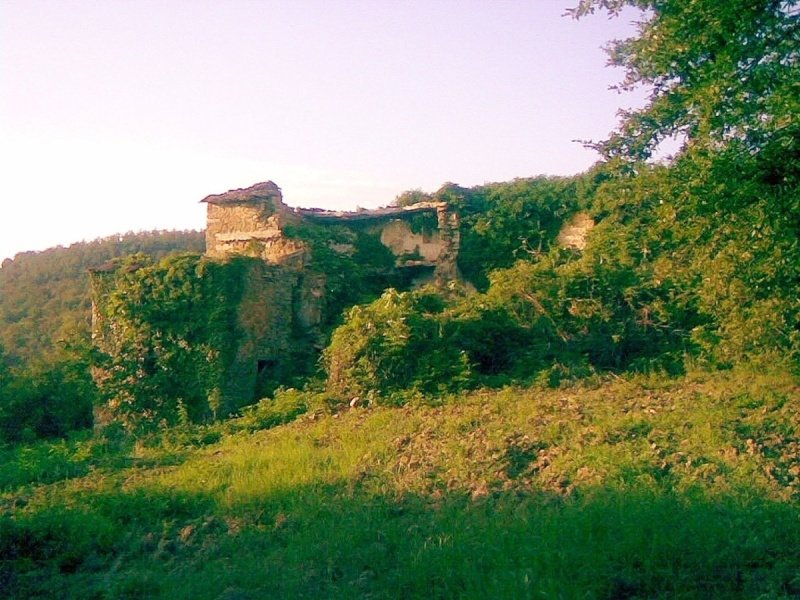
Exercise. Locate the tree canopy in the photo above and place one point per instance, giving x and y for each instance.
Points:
(720, 73)
(724, 78)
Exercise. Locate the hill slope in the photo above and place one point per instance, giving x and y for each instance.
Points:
(44, 296)
(644, 487)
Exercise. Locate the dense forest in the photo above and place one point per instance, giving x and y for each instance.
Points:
(633, 404)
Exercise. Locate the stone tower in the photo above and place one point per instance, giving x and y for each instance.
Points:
(250, 222)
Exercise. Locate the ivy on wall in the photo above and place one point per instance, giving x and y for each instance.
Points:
(168, 332)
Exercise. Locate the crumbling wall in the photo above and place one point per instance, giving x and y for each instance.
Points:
(450, 230)
(407, 245)
(422, 235)
(314, 259)
(574, 232)
(264, 317)
(255, 222)
(251, 222)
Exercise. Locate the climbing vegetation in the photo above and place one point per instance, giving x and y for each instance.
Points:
(696, 257)
(171, 331)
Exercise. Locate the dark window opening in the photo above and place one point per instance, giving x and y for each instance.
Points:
(267, 378)
(264, 365)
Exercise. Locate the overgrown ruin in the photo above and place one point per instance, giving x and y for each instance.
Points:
(302, 267)
(255, 222)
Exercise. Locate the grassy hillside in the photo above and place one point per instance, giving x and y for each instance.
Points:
(639, 487)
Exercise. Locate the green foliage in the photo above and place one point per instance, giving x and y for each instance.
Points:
(560, 317)
(355, 266)
(393, 344)
(724, 82)
(170, 330)
(719, 74)
(748, 268)
(501, 222)
(423, 223)
(59, 539)
(44, 296)
(43, 462)
(594, 311)
(488, 335)
(47, 400)
(706, 243)
(504, 222)
(5, 372)
(284, 407)
(411, 197)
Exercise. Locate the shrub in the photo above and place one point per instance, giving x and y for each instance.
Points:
(46, 401)
(392, 344)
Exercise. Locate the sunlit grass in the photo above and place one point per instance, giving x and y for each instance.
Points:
(646, 487)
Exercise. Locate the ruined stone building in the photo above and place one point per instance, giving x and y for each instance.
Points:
(291, 289)
(253, 222)
(304, 267)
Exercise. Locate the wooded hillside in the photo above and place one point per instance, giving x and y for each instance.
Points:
(44, 296)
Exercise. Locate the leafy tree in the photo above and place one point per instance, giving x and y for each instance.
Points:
(600, 310)
(411, 197)
(719, 74)
(723, 79)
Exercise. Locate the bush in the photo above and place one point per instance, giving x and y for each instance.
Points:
(392, 344)
(489, 336)
(45, 401)
(505, 222)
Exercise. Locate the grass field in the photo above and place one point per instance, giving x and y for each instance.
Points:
(643, 487)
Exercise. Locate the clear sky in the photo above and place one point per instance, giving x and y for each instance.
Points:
(121, 115)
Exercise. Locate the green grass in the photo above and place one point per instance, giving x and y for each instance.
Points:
(635, 488)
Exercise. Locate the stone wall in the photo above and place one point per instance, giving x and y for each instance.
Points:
(251, 222)
(574, 232)
(434, 245)
(291, 290)
(407, 245)
(265, 325)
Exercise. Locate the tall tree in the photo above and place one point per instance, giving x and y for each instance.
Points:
(719, 73)
(725, 80)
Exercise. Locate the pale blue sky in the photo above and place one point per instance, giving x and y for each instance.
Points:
(118, 116)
